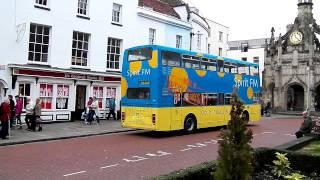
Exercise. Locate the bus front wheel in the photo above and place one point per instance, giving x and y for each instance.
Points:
(190, 124)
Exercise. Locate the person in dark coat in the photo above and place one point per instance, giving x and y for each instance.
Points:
(4, 117)
(306, 125)
(12, 110)
(112, 106)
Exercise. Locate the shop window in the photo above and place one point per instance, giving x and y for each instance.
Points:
(24, 92)
(98, 93)
(46, 96)
(62, 97)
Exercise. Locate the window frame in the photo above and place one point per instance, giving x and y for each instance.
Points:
(86, 9)
(178, 41)
(116, 44)
(118, 15)
(77, 50)
(46, 95)
(34, 45)
(220, 36)
(65, 95)
(45, 5)
(152, 36)
(24, 96)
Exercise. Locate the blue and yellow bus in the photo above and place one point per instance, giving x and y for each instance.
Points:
(166, 89)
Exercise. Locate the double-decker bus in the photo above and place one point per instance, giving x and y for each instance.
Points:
(166, 89)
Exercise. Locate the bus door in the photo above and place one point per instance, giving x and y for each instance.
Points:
(176, 122)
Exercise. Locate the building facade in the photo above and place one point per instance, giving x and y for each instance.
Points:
(252, 50)
(292, 64)
(218, 41)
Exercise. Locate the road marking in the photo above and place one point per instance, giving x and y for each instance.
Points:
(289, 135)
(185, 149)
(137, 158)
(267, 133)
(113, 165)
(74, 173)
(159, 154)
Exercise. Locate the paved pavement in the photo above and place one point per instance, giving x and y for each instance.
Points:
(75, 129)
(62, 130)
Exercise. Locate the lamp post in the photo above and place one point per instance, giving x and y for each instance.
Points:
(308, 88)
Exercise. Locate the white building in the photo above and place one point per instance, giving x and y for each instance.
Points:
(65, 54)
(252, 50)
(218, 41)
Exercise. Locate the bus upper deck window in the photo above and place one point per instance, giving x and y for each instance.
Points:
(254, 71)
(220, 65)
(243, 69)
(140, 54)
(171, 58)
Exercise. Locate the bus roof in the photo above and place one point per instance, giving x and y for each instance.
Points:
(182, 51)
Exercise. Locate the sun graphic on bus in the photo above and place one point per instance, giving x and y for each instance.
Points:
(153, 62)
(124, 86)
(178, 80)
(237, 78)
(201, 73)
(135, 66)
(250, 93)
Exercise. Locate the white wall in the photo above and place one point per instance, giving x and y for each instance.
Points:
(214, 38)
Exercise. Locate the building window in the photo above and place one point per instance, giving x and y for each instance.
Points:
(113, 53)
(111, 93)
(209, 47)
(46, 95)
(24, 92)
(256, 60)
(178, 41)
(244, 59)
(39, 43)
(42, 2)
(220, 36)
(62, 96)
(244, 47)
(80, 48)
(152, 36)
(116, 13)
(98, 93)
(199, 41)
(83, 7)
(220, 51)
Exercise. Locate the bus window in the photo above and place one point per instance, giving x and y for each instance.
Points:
(243, 69)
(138, 93)
(227, 100)
(227, 67)
(208, 66)
(140, 54)
(191, 61)
(254, 71)
(171, 58)
(211, 99)
(220, 65)
(234, 68)
(221, 99)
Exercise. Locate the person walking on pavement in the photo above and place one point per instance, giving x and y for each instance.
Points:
(95, 108)
(12, 110)
(37, 116)
(112, 105)
(29, 113)
(90, 110)
(306, 125)
(19, 107)
(4, 117)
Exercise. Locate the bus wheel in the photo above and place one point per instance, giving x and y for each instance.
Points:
(190, 124)
(245, 117)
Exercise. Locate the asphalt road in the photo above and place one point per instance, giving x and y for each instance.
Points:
(127, 156)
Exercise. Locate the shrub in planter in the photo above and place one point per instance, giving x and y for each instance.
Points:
(235, 160)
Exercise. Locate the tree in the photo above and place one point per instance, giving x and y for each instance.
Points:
(235, 160)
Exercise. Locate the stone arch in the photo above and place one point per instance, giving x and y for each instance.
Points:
(316, 95)
(295, 96)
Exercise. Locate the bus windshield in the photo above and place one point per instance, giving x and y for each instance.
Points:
(140, 54)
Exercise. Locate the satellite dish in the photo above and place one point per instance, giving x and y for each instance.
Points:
(21, 29)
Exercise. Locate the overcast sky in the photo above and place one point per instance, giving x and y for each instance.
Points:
(250, 19)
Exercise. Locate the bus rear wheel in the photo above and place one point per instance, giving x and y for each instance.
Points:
(190, 124)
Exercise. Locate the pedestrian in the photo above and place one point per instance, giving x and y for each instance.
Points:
(95, 108)
(90, 110)
(268, 108)
(261, 102)
(29, 113)
(12, 110)
(19, 106)
(4, 118)
(112, 105)
(306, 125)
(37, 116)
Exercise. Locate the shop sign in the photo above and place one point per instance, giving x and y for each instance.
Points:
(64, 75)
